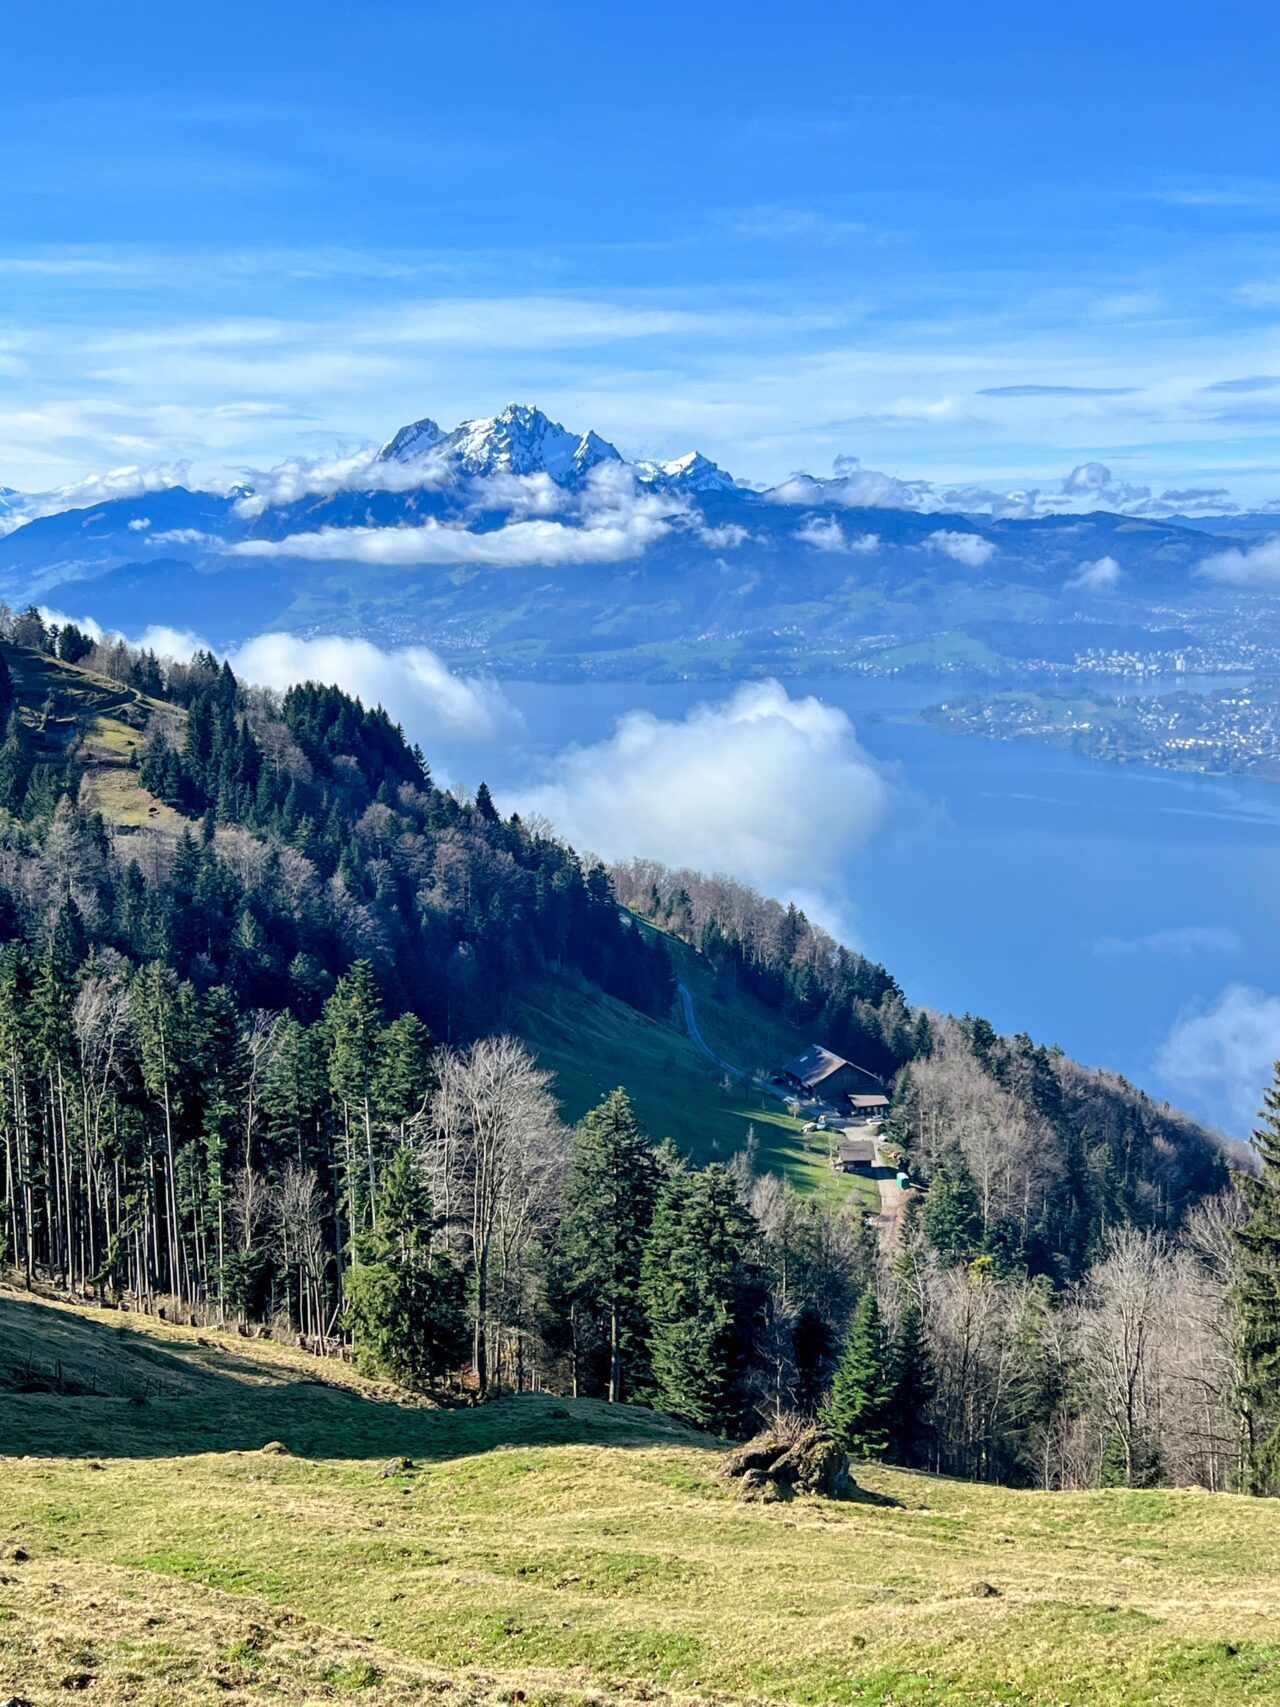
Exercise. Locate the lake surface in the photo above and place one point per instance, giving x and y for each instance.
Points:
(1017, 881)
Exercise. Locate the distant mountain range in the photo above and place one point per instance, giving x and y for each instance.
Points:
(513, 543)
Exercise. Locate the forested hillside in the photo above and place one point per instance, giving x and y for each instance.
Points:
(252, 1009)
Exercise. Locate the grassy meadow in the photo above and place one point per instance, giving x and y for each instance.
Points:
(592, 1043)
(192, 1517)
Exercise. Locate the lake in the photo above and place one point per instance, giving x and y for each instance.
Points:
(1018, 881)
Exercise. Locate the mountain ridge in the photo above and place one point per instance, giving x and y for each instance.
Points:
(513, 543)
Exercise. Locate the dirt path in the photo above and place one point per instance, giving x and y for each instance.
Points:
(892, 1198)
(698, 1041)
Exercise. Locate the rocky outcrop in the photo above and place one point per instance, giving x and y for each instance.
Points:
(778, 1464)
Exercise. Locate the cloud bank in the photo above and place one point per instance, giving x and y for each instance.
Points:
(775, 791)
(967, 548)
(1097, 577)
(1223, 1055)
(1253, 566)
(413, 684)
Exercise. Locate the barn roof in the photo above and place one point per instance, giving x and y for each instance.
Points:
(870, 1102)
(817, 1064)
(856, 1150)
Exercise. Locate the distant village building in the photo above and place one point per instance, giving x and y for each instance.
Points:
(819, 1072)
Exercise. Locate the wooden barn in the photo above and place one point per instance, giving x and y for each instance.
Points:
(855, 1153)
(819, 1072)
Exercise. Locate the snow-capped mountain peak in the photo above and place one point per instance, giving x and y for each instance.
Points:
(692, 472)
(521, 440)
(411, 441)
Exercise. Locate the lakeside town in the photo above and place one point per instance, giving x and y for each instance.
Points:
(1231, 731)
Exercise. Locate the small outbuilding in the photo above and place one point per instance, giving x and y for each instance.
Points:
(855, 1153)
(869, 1108)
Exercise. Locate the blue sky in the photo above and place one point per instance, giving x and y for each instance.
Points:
(976, 244)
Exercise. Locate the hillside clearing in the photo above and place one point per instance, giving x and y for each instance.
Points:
(545, 1550)
(110, 722)
(593, 1043)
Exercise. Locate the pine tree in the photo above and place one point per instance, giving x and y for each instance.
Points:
(952, 1216)
(910, 1431)
(857, 1410)
(608, 1207)
(404, 1299)
(694, 1287)
(1258, 1299)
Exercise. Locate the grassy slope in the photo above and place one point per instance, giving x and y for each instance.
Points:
(111, 724)
(546, 1550)
(593, 1043)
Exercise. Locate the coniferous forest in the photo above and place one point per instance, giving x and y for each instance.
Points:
(258, 1067)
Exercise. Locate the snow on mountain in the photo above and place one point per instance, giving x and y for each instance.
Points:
(692, 472)
(411, 441)
(521, 440)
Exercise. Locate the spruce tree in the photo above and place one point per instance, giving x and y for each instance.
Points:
(1258, 1299)
(694, 1284)
(857, 1410)
(404, 1299)
(910, 1431)
(608, 1207)
(353, 1019)
(952, 1216)
(14, 765)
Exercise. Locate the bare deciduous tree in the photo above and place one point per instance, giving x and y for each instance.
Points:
(498, 1154)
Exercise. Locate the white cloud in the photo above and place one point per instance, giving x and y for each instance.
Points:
(854, 488)
(1095, 577)
(412, 683)
(774, 790)
(326, 476)
(523, 495)
(967, 548)
(515, 546)
(139, 524)
(727, 537)
(1182, 941)
(129, 482)
(1223, 1055)
(1254, 566)
(166, 642)
(181, 536)
(826, 534)
(1087, 477)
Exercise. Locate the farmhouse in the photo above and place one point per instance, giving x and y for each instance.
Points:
(855, 1153)
(819, 1072)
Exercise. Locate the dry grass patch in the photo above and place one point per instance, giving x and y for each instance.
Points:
(538, 1548)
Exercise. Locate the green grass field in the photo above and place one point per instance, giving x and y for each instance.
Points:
(111, 723)
(593, 1043)
(546, 1551)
